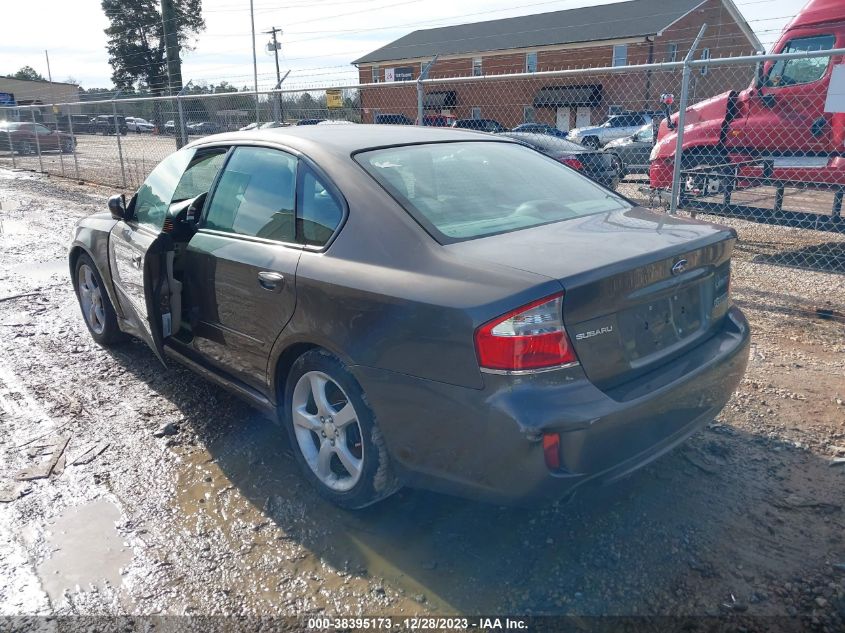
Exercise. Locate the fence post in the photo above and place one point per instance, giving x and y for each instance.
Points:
(682, 116)
(183, 132)
(37, 142)
(421, 90)
(70, 129)
(11, 147)
(61, 149)
(117, 133)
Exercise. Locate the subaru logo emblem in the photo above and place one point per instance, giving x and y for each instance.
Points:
(679, 267)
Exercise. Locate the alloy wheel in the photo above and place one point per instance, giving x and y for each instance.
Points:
(327, 431)
(91, 298)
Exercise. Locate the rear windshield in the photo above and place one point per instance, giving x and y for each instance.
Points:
(465, 190)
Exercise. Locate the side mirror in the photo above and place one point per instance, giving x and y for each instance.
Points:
(667, 100)
(117, 206)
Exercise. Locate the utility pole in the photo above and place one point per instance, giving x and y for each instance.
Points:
(254, 59)
(171, 52)
(275, 45)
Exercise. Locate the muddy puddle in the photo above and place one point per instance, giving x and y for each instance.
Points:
(85, 550)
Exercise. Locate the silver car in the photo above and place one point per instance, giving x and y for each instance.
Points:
(633, 151)
(616, 127)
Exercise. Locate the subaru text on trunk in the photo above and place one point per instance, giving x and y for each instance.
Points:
(435, 308)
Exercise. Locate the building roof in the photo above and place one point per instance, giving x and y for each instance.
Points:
(635, 18)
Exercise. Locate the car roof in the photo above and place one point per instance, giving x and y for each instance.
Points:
(346, 139)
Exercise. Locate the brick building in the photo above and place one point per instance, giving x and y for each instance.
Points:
(621, 34)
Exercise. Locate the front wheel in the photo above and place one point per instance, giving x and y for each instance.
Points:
(97, 309)
(592, 142)
(67, 146)
(334, 434)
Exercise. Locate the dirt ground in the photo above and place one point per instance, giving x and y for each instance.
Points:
(209, 516)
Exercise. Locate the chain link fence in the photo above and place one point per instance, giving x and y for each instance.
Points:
(762, 139)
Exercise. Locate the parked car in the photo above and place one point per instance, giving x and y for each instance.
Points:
(105, 124)
(437, 120)
(392, 119)
(482, 125)
(596, 165)
(248, 126)
(139, 125)
(633, 151)
(337, 122)
(203, 128)
(616, 127)
(27, 138)
(309, 121)
(170, 127)
(422, 306)
(540, 128)
(81, 124)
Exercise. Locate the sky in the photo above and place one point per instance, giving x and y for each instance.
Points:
(320, 37)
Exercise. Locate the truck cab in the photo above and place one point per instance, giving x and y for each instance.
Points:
(782, 118)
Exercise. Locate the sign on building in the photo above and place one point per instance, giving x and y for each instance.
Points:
(405, 73)
(334, 99)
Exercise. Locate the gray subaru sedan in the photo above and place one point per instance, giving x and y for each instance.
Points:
(426, 307)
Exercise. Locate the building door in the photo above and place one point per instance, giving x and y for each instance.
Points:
(562, 120)
(582, 116)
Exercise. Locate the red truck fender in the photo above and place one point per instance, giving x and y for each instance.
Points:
(705, 128)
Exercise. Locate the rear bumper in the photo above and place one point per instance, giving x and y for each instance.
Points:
(487, 443)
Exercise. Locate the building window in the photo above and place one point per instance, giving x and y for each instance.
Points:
(475, 113)
(531, 62)
(705, 55)
(615, 109)
(673, 52)
(375, 74)
(476, 67)
(527, 114)
(620, 55)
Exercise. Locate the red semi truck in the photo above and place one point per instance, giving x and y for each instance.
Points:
(780, 131)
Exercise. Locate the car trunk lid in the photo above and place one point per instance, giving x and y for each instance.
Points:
(640, 287)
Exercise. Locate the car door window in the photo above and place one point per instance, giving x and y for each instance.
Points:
(199, 175)
(801, 71)
(320, 213)
(153, 198)
(42, 131)
(255, 195)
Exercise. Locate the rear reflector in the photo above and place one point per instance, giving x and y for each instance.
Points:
(529, 338)
(551, 450)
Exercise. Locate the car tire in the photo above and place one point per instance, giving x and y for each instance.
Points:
(67, 146)
(591, 141)
(347, 464)
(25, 148)
(91, 294)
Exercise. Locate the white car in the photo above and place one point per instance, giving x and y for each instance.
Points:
(139, 125)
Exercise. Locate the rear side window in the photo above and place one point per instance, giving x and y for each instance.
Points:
(320, 212)
(801, 71)
(465, 190)
(255, 195)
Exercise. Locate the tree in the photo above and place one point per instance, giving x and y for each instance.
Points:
(136, 39)
(29, 73)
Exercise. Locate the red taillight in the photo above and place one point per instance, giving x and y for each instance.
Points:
(530, 337)
(551, 450)
(571, 161)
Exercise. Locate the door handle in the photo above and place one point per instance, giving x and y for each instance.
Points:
(270, 281)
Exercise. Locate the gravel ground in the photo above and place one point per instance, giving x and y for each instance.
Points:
(175, 498)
